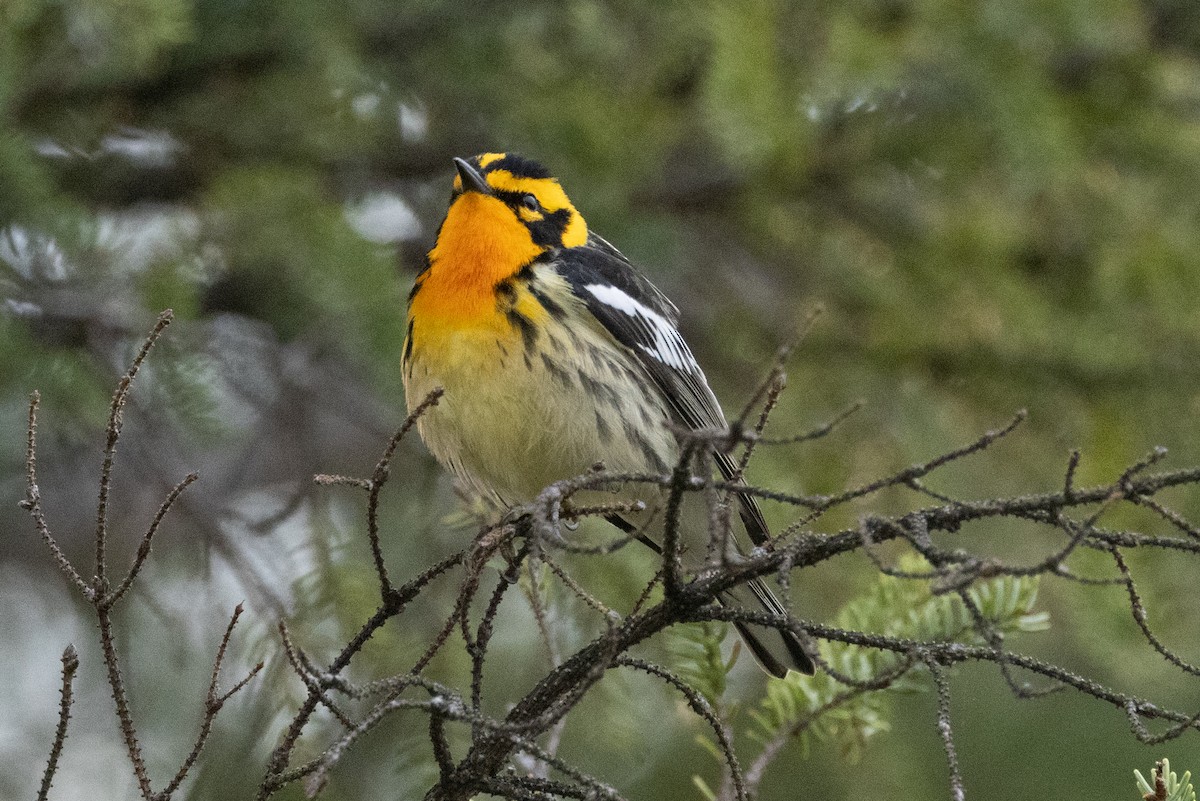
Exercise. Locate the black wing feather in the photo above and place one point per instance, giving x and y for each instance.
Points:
(642, 319)
(659, 348)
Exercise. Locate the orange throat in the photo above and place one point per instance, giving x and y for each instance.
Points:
(481, 243)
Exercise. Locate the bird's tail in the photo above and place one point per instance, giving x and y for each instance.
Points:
(777, 651)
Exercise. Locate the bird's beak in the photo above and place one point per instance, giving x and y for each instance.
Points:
(472, 181)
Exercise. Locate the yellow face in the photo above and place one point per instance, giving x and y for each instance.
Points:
(527, 191)
(505, 211)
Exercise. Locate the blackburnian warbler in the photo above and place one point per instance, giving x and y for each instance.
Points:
(554, 354)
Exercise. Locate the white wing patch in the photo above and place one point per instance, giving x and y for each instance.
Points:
(662, 341)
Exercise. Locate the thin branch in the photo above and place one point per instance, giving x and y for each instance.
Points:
(102, 600)
(1170, 515)
(1135, 713)
(537, 788)
(318, 769)
(116, 683)
(702, 709)
(1141, 618)
(379, 477)
(483, 634)
(823, 430)
(681, 481)
(945, 730)
(918, 471)
(778, 382)
(1069, 478)
(299, 662)
(143, 550)
(113, 434)
(345, 481)
(213, 702)
(277, 773)
(70, 664)
(773, 375)
(33, 502)
(394, 601)
(99, 594)
(441, 747)
(577, 590)
(554, 657)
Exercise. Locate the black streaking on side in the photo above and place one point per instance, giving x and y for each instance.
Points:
(408, 342)
(529, 332)
(506, 295)
(506, 304)
(634, 435)
(548, 303)
(560, 375)
(601, 391)
(420, 280)
(602, 428)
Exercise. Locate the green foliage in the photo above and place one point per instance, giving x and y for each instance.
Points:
(292, 250)
(1177, 789)
(995, 202)
(537, 584)
(897, 607)
(696, 658)
(184, 386)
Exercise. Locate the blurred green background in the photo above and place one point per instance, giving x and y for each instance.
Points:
(995, 202)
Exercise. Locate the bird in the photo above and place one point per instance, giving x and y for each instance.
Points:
(554, 354)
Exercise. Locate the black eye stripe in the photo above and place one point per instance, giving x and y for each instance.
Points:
(513, 199)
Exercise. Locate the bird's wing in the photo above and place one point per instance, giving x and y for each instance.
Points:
(642, 319)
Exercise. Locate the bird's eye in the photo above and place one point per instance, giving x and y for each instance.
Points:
(530, 202)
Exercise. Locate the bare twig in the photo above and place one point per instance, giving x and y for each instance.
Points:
(33, 503)
(120, 696)
(213, 702)
(1137, 711)
(823, 430)
(113, 435)
(103, 599)
(278, 774)
(778, 381)
(300, 664)
(701, 707)
(144, 548)
(1069, 479)
(70, 664)
(1170, 515)
(379, 478)
(777, 365)
(945, 730)
(1140, 617)
(394, 601)
(918, 471)
(681, 482)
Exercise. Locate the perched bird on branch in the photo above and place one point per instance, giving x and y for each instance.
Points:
(555, 354)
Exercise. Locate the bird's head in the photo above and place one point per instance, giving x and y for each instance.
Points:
(505, 211)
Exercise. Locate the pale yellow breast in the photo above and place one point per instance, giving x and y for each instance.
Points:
(513, 420)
